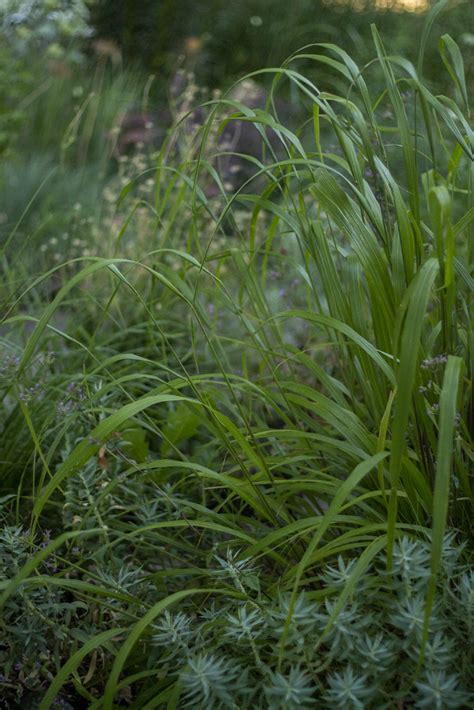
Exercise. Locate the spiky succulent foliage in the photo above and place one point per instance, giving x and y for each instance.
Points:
(235, 429)
(293, 690)
(229, 654)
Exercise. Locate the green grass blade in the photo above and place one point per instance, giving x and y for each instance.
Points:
(413, 312)
(73, 663)
(448, 402)
(135, 634)
(89, 446)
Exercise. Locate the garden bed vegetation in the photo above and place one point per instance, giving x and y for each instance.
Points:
(236, 406)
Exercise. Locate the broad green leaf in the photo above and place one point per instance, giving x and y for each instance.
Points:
(453, 62)
(412, 315)
(447, 421)
(181, 424)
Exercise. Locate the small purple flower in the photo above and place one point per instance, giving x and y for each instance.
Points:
(434, 361)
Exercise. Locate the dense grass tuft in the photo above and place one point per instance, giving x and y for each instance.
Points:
(236, 415)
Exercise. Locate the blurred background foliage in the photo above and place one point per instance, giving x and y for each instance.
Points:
(72, 71)
(58, 56)
(226, 39)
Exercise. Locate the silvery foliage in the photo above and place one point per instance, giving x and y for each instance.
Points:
(253, 647)
(231, 656)
(370, 649)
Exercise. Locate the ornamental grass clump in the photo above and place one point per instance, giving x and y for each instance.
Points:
(251, 447)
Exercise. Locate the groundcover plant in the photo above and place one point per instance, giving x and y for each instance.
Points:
(235, 449)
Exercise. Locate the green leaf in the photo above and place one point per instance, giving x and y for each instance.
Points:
(34, 562)
(412, 315)
(453, 61)
(134, 443)
(73, 663)
(182, 424)
(435, 10)
(137, 630)
(447, 418)
(327, 520)
(89, 446)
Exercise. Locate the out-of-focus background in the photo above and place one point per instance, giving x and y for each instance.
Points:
(53, 50)
(223, 40)
(84, 83)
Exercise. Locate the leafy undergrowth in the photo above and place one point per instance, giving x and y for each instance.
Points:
(235, 449)
(353, 641)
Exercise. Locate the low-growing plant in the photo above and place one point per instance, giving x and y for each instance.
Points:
(363, 653)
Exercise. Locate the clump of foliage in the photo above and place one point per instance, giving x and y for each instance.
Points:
(356, 641)
(235, 447)
(51, 30)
